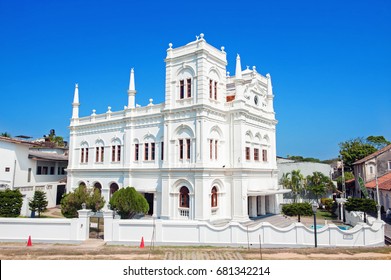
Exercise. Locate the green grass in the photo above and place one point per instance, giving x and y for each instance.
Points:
(325, 215)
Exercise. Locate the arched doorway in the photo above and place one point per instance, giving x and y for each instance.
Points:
(113, 188)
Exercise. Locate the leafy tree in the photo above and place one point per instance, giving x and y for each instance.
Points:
(297, 209)
(365, 205)
(11, 202)
(378, 142)
(5, 134)
(38, 203)
(348, 176)
(128, 202)
(295, 181)
(72, 202)
(319, 184)
(353, 150)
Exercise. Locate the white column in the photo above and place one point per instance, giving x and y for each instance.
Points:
(253, 207)
(263, 205)
(154, 205)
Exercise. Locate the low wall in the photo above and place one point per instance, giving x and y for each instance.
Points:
(169, 232)
(45, 229)
(354, 217)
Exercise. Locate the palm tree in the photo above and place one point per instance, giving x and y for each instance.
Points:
(318, 184)
(295, 181)
(5, 134)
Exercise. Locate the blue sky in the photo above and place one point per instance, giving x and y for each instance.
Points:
(330, 61)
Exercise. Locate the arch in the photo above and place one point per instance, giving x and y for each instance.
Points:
(186, 71)
(149, 137)
(184, 198)
(258, 138)
(180, 183)
(266, 138)
(136, 141)
(183, 131)
(97, 186)
(99, 143)
(216, 132)
(81, 183)
(249, 136)
(115, 140)
(84, 144)
(113, 188)
(214, 74)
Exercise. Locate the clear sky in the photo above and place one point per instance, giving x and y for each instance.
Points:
(330, 61)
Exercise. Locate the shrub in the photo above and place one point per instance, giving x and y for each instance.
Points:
(38, 203)
(72, 202)
(297, 209)
(128, 202)
(11, 202)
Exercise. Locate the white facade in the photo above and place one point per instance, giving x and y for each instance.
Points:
(29, 169)
(207, 153)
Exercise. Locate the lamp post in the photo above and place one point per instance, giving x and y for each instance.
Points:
(314, 209)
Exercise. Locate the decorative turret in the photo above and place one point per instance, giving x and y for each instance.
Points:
(270, 95)
(131, 91)
(75, 104)
(238, 71)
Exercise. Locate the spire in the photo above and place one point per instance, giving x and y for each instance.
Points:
(131, 91)
(131, 83)
(269, 84)
(238, 71)
(75, 104)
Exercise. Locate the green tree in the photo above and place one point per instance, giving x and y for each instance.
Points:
(378, 142)
(365, 205)
(353, 150)
(72, 202)
(6, 134)
(294, 181)
(38, 203)
(297, 209)
(11, 202)
(348, 176)
(128, 202)
(318, 184)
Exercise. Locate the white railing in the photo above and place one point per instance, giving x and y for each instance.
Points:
(184, 212)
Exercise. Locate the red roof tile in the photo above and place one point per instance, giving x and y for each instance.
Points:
(384, 183)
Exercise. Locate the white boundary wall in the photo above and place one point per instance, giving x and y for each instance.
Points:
(168, 232)
(46, 229)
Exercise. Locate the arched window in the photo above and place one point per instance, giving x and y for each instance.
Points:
(184, 197)
(214, 197)
(98, 186)
(113, 188)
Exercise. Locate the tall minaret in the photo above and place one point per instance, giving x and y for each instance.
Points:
(75, 104)
(270, 95)
(238, 78)
(131, 91)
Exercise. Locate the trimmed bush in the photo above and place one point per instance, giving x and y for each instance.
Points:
(11, 202)
(297, 209)
(128, 202)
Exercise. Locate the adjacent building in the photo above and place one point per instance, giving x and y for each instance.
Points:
(208, 152)
(29, 166)
(375, 170)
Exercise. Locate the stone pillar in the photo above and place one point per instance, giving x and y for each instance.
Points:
(108, 222)
(154, 215)
(105, 193)
(83, 225)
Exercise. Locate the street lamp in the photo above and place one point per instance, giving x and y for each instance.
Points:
(314, 209)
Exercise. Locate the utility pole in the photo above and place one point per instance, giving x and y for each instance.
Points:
(343, 181)
(377, 192)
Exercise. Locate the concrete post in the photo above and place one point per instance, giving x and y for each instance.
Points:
(83, 224)
(108, 222)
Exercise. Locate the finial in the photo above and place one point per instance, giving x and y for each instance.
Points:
(131, 82)
(93, 112)
(150, 102)
(197, 38)
(170, 46)
(222, 48)
(202, 36)
(268, 75)
(248, 67)
(108, 109)
(238, 70)
(76, 85)
(254, 69)
(227, 73)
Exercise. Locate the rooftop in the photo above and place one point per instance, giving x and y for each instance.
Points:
(384, 182)
(375, 154)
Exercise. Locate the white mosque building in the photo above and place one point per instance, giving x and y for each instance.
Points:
(207, 153)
